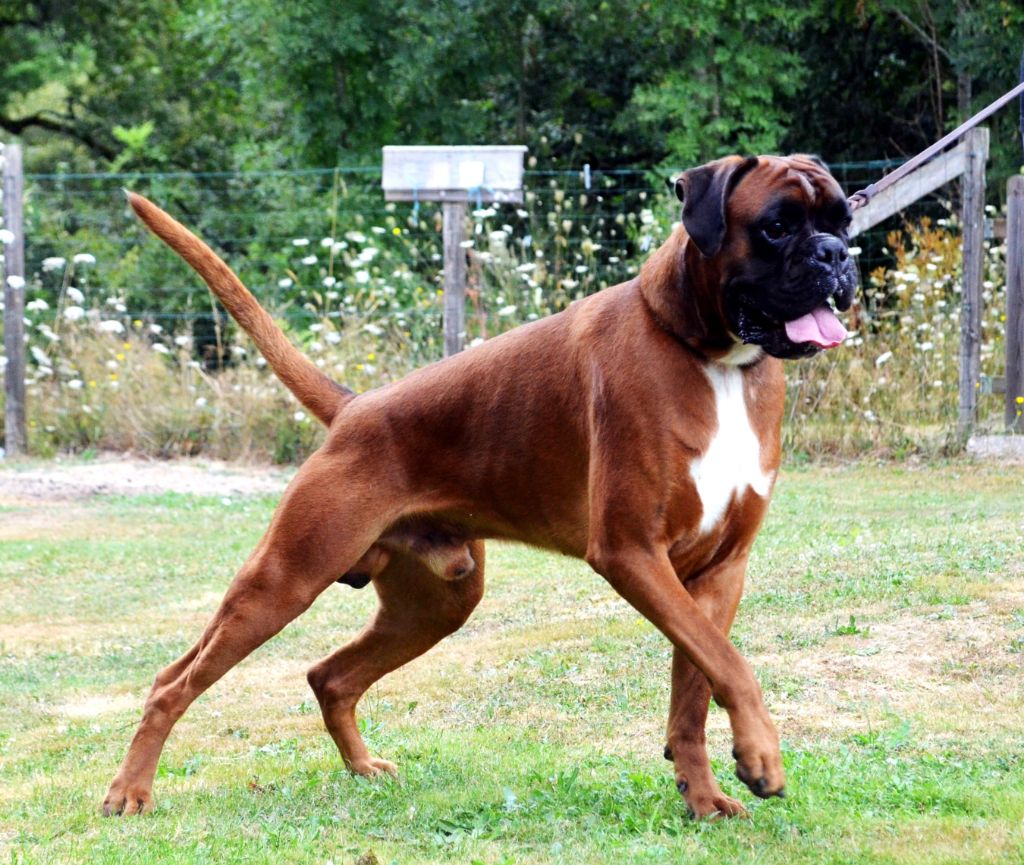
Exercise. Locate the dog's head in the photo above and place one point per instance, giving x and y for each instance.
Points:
(774, 230)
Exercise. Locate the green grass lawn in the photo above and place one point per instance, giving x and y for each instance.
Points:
(884, 615)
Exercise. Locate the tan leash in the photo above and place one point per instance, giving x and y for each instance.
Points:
(861, 198)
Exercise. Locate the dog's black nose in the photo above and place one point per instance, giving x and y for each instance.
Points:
(831, 250)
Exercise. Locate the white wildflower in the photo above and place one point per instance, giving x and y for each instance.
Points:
(355, 236)
(362, 276)
(285, 283)
(326, 242)
(75, 384)
(111, 325)
(373, 329)
(74, 313)
(37, 305)
(84, 258)
(201, 402)
(507, 310)
(6, 236)
(332, 337)
(884, 357)
(329, 281)
(467, 244)
(75, 295)
(39, 355)
(16, 282)
(300, 416)
(300, 241)
(316, 327)
(54, 262)
(160, 348)
(182, 340)
(926, 346)
(309, 259)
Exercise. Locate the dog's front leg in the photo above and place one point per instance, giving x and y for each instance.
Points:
(644, 576)
(717, 591)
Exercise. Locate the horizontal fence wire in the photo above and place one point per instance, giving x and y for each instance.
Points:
(584, 230)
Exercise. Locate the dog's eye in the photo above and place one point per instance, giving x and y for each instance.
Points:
(776, 230)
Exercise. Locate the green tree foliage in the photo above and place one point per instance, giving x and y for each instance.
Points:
(888, 77)
(253, 83)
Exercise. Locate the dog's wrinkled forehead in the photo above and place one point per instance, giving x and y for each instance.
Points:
(802, 179)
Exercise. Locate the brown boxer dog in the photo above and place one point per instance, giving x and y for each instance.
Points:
(638, 429)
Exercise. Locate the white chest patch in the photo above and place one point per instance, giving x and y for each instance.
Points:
(732, 461)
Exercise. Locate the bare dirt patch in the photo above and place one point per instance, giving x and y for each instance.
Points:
(116, 474)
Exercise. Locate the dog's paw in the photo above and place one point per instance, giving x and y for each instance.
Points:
(710, 804)
(374, 767)
(761, 771)
(124, 798)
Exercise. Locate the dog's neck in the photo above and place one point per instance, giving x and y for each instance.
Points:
(682, 290)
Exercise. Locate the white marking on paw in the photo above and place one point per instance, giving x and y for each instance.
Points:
(732, 461)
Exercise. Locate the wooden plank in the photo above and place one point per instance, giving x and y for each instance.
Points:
(928, 178)
(1015, 304)
(15, 438)
(973, 222)
(454, 277)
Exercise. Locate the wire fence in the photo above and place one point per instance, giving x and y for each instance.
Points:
(322, 242)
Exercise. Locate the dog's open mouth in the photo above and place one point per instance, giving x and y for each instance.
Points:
(802, 336)
(819, 327)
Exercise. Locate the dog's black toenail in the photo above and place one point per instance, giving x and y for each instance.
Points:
(682, 786)
(781, 793)
(668, 753)
(735, 754)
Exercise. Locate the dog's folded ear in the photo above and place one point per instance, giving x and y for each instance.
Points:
(704, 192)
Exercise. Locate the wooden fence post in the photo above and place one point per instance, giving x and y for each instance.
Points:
(973, 222)
(1015, 304)
(15, 439)
(454, 277)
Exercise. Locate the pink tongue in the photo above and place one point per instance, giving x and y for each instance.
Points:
(820, 327)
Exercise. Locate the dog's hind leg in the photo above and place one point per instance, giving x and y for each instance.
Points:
(313, 537)
(717, 592)
(417, 610)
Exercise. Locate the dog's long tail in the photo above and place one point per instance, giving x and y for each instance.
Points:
(299, 374)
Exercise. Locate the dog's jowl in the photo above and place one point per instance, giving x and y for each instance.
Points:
(639, 430)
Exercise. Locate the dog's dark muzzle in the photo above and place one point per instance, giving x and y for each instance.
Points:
(820, 273)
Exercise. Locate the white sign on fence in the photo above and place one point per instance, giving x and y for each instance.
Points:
(464, 173)
(454, 175)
